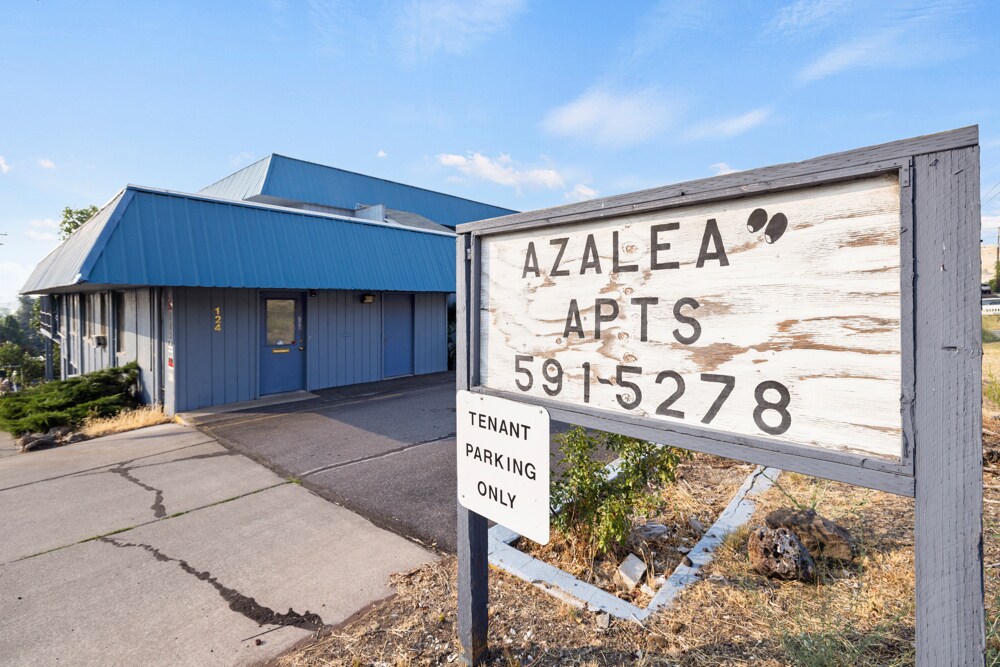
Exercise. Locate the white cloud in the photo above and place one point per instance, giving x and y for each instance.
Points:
(580, 192)
(721, 169)
(613, 117)
(46, 163)
(991, 221)
(4, 167)
(888, 34)
(808, 15)
(501, 170)
(13, 275)
(381, 154)
(241, 159)
(428, 27)
(43, 230)
(729, 127)
(46, 237)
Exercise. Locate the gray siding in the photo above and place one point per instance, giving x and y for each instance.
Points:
(430, 333)
(214, 367)
(344, 342)
(344, 339)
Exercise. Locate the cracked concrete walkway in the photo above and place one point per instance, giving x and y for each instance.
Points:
(161, 547)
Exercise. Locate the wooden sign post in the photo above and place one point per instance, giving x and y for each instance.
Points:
(822, 317)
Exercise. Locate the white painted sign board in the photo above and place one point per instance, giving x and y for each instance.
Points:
(774, 316)
(503, 462)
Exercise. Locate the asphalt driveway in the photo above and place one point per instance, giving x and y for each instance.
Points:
(385, 450)
(161, 547)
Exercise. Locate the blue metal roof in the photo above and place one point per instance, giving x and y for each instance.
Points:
(154, 237)
(285, 178)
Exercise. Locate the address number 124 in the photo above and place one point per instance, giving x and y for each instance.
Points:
(552, 383)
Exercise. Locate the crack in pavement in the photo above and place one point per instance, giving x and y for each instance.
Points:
(238, 602)
(366, 459)
(100, 468)
(159, 511)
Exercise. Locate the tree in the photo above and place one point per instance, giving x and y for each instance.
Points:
(31, 340)
(73, 218)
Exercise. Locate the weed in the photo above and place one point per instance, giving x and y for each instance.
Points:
(991, 388)
(597, 509)
(128, 420)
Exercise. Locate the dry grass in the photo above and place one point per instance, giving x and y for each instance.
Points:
(129, 420)
(860, 614)
(856, 614)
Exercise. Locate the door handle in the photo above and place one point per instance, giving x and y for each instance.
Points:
(302, 347)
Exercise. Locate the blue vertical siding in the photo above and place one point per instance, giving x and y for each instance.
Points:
(214, 367)
(430, 333)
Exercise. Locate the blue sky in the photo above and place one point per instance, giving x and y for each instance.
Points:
(512, 102)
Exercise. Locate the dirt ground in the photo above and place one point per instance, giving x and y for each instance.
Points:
(858, 614)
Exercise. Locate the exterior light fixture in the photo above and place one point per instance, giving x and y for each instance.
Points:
(367, 298)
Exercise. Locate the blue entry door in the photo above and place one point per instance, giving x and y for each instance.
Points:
(283, 345)
(397, 334)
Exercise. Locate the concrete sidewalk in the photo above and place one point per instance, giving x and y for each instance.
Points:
(160, 547)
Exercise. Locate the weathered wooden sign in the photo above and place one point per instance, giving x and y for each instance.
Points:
(821, 317)
(776, 315)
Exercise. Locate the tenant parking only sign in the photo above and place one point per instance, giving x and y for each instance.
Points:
(503, 462)
(774, 316)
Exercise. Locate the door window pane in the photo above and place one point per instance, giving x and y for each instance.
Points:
(280, 321)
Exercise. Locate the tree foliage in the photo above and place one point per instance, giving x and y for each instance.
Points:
(72, 219)
(596, 508)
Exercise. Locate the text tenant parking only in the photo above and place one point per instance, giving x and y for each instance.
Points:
(821, 317)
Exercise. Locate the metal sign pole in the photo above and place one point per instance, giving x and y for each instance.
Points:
(473, 564)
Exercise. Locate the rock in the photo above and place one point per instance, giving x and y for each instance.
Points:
(630, 572)
(647, 589)
(696, 525)
(683, 550)
(822, 537)
(604, 620)
(687, 561)
(651, 531)
(778, 553)
(27, 439)
(74, 437)
(59, 431)
(41, 442)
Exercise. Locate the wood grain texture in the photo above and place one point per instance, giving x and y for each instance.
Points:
(818, 310)
(948, 413)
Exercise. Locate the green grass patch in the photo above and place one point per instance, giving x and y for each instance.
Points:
(69, 402)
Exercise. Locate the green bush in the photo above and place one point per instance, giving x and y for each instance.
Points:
(596, 509)
(69, 402)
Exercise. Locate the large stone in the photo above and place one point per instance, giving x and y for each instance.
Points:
(630, 572)
(776, 552)
(652, 531)
(821, 536)
(42, 442)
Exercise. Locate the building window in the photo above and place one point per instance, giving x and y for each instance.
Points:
(84, 311)
(102, 314)
(119, 305)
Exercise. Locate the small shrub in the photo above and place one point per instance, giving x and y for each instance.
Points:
(70, 402)
(596, 509)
